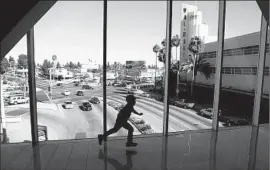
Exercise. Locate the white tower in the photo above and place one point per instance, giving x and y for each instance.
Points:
(191, 25)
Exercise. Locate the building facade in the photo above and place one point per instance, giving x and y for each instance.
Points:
(191, 25)
(240, 62)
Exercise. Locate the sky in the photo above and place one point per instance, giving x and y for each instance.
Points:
(73, 30)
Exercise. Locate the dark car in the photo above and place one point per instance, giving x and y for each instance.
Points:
(60, 84)
(234, 121)
(80, 93)
(86, 106)
(87, 87)
(94, 100)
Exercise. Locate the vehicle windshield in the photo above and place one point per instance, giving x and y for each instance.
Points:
(68, 102)
(209, 110)
(86, 104)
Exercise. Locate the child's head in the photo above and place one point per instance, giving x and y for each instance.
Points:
(131, 99)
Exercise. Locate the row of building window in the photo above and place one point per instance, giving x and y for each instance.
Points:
(241, 70)
(236, 51)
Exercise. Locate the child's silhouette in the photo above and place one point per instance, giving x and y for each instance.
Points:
(121, 121)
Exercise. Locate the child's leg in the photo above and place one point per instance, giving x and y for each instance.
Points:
(130, 129)
(116, 127)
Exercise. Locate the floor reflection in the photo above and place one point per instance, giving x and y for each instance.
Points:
(236, 148)
(116, 164)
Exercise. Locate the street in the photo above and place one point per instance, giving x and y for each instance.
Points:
(75, 123)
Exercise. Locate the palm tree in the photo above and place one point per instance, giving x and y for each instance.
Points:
(176, 44)
(195, 62)
(156, 49)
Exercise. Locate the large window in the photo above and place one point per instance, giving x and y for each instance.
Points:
(69, 74)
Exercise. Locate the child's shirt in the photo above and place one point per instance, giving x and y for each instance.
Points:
(125, 112)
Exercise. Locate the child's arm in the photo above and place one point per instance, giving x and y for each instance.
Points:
(137, 113)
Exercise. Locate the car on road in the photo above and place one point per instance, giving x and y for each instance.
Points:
(77, 84)
(68, 105)
(208, 112)
(18, 100)
(144, 94)
(183, 103)
(88, 87)
(94, 100)
(86, 106)
(66, 93)
(80, 93)
(60, 84)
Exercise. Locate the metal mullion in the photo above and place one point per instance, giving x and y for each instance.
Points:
(32, 85)
(219, 61)
(104, 80)
(261, 64)
(167, 67)
(104, 67)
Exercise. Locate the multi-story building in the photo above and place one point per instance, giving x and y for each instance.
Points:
(62, 73)
(240, 61)
(191, 25)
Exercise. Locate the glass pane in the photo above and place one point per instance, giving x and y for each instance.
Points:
(68, 51)
(238, 88)
(262, 154)
(189, 110)
(15, 115)
(131, 67)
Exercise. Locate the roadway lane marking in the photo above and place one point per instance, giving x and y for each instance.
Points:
(174, 115)
(142, 108)
(170, 117)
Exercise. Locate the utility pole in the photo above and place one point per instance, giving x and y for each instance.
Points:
(50, 70)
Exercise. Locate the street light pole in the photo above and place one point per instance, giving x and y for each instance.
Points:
(156, 72)
(50, 70)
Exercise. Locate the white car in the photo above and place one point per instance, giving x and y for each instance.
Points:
(208, 112)
(138, 92)
(18, 100)
(66, 93)
(145, 94)
(68, 105)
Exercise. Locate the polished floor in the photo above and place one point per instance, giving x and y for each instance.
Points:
(241, 148)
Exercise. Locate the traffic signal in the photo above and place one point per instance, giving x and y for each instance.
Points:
(49, 88)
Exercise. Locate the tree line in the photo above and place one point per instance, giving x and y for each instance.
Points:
(194, 63)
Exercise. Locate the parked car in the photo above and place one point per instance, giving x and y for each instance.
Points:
(183, 103)
(145, 94)
(86, 106)
(137, 120)
(234, 121)
(18, 100)
(88, 87)
(80, 93)
(77, 84)
(66, 93)
(42, 133)
(118, 106)
(138, 92)
(68, 105)
(208, 112)
(94, 100)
